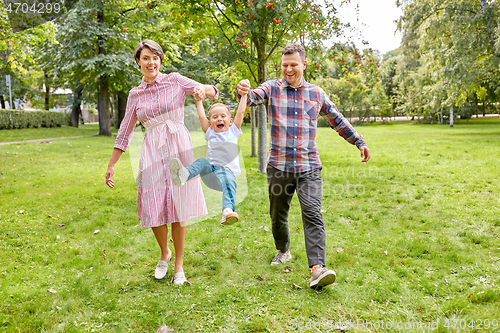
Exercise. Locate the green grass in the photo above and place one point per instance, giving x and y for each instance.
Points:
(413, 236)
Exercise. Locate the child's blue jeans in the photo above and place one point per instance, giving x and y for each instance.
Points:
(217, 178)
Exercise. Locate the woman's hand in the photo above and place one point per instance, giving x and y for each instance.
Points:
(199, 93)
(109, 175)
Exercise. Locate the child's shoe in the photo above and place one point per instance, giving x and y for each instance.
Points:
(179, 173)
(229, 216)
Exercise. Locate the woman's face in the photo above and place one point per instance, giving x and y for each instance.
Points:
(150, 64)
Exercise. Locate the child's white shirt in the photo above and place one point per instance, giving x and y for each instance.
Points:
(223, 148)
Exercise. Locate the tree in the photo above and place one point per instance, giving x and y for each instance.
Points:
(453, 54)
(251, 31)
(95, 43)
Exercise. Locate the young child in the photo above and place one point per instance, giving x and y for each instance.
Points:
(221, 167)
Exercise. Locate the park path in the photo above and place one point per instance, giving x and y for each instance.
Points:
(35, 140)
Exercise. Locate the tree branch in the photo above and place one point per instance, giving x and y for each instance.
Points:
(434, 12)
(224, 14)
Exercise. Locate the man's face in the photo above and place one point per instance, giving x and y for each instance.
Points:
(292, 68)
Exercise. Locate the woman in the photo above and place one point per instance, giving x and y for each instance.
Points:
(158, 103)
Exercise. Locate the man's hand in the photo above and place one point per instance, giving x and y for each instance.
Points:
(243, 87)
(365, 153)
(199, 93)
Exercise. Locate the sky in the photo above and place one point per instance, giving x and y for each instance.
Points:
(376, 22)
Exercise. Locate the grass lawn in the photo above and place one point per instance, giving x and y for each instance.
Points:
(413, 236)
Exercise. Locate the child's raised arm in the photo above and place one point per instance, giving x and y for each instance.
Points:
(238, 119)
(201, 114)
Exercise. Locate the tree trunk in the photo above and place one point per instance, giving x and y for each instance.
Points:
(451, 116)
(262, 112)
(47, 91)
(103, 107)
(76, 109)
(103, 101)
(2, 101)
(122, 106)
(252, 127)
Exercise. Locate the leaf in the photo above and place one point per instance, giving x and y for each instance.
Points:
(97, 231)
(297, 286)
(266, 229)
(61, 225)
(288, 269)
(52, 291)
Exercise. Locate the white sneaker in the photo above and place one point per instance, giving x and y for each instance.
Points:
(229, 216)
(161, 269)
(179, 173)
(180, 278)
(281, 258)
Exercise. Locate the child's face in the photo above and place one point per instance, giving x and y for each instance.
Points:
(219, 119)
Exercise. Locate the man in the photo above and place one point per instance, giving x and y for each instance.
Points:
(293, 106)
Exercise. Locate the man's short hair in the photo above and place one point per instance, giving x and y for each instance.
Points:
(150, 44)
(292, 48)
(220, 105)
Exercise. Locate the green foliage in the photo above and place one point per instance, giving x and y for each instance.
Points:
(17, 119)
(353, 83)
(246, 35)
(450, 56)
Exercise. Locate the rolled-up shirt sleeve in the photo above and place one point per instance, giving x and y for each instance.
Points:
(188, 85)
(339, 123)
(258, 95)
(128, 123)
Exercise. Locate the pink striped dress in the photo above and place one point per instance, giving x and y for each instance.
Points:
(159, 106)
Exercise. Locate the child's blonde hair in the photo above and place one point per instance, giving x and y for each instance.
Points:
(220, 105)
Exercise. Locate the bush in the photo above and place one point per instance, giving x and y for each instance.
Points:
(16, 119)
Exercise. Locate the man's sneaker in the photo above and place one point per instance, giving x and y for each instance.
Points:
(179, 173)
(281, 258)
(322, 277)
(229, 217)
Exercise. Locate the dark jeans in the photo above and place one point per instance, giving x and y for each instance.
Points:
(217, 178)
(308, 185)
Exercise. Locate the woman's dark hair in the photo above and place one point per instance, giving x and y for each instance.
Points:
(150, 44)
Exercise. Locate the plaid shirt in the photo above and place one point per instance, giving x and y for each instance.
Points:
(293, 120)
